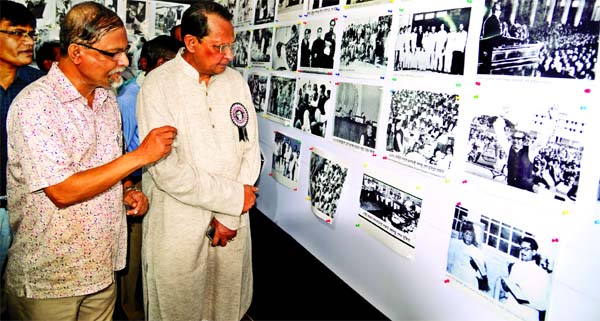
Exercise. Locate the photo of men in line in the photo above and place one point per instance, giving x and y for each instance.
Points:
(317, 45)
(286, 160)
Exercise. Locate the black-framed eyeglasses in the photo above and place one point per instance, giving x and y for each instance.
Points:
(21, 34)
(112, 55)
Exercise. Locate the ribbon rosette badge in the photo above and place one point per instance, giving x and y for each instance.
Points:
(239, 117)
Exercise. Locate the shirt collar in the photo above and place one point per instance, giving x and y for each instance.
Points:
(65, 90)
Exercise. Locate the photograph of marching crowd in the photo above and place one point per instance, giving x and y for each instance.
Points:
(393, 210)
(286, 160)
(261, 47)
(313, 106)
(364, 44)
(285, 50)
(538, 150)
(533, 38)
(421, 127)
(327, 179)
(281, 99)
(356, 114)
(492, 256)
(433, 42)
(258, 89)
(317, 47)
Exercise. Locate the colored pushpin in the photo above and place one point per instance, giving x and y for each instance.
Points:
(394, 78)
(365, 165)
(381, 77)
(597, 222)
(328, 221)
(271, 174)
(458, 84)
(587, 91)
(374, 155)
(458, 204)
(446, 180)
(308, 198)
(296, 189)
(476, 96)
(583, 108)
(311, 148)
(418, 187)
(385, 157)
(329, 73)
(477, 83)
(447, 281)
(555, 240)
(357, 225)
(337, 73)
(565, 212)
(464, 181)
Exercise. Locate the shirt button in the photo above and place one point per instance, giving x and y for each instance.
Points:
(209, 108)
(213, 126)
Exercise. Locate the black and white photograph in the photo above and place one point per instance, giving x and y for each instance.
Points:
(261, 47)
(357, 3)
(537, 149)
(241, 48)
(228, 4)
(314, 105)
(356, 115)
(327, 177)
(502, 261)
(420, 129)
(539, 39)
(258, 84)
(264, 11)
(364, 44)
(289, 9)
(285, 48)
(244, 14)
(433, 42)
(135, 18)
(166, 16)
(286, 160)
(391, 213)
(321, 5)
(281, 99)
(317, 45)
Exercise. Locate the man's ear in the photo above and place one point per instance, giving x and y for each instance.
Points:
(190, 42)
(74, 53)
(143, 64)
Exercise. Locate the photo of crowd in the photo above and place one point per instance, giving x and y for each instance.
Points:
(364, 44)
(285, 51)
(167, 15)
(261, 47)
(433, 41)
(356, 113)
(317, 49)
(528, 38)
(391, 206)
(258, 89)
(281, 98)
(326, 183)
(539, 152)
(314, 101)
(241, 48)
(286, 160)
(499, 260)
(421, 126)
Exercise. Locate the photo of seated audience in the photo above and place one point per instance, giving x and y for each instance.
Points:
(421, 126)
(326, 182)
(539, 39)
(364, 43)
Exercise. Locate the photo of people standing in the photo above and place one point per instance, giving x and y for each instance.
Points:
(317, 47)
(313, 106)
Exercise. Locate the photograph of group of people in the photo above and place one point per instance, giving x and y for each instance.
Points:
(286, 160)
(241, 48)
(433, 41)
(421, 127)
(313, 106)
(317, 47)
(364, 43)
(327, 177)
(539, 39)
(537, 150)
(264, 11)
(281, 99)
(244, 13)
(356, 114)
(261, 47)
(258, 88)
(395, 212)
(503, 262)
(167, 16)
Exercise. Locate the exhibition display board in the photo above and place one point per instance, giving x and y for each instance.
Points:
(438, 155)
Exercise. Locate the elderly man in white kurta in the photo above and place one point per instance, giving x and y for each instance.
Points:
(206, 180)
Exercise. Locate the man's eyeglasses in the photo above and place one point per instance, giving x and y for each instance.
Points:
(525, 249)
(224, 47)
(21, 34)
(112, 55)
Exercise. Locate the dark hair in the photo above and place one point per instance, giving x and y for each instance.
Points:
(46, 52)
(194, 21)
(17, 14)
(87, 23)
(173, 29)
(160, 47)
(531, 241)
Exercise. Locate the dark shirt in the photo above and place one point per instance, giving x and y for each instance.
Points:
(25, 76)
(520, 169)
